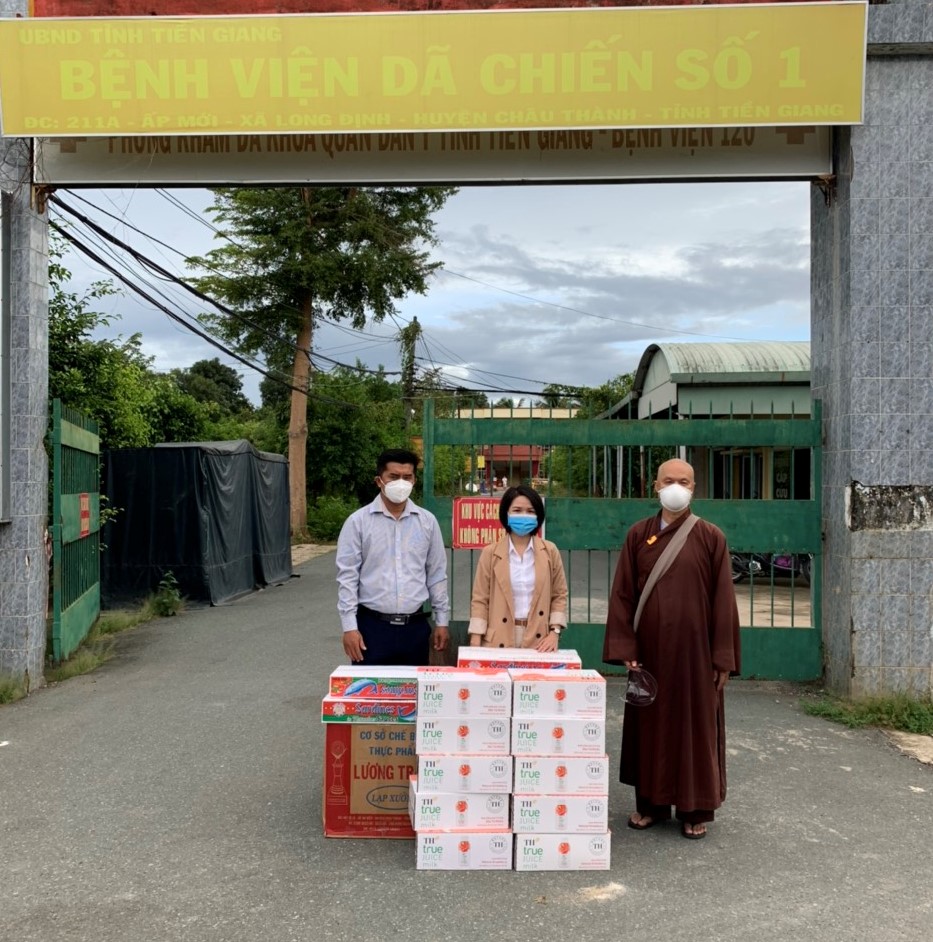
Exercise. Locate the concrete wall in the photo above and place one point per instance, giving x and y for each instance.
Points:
(872, 350)
(23, 570)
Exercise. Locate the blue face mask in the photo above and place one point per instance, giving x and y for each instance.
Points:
(522, 524)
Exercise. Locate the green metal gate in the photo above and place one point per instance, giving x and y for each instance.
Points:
(758, 479)
(75, 529)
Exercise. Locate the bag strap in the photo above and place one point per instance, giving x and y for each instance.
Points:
(664, 563)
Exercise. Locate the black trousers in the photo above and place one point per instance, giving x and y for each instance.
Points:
(407, 644)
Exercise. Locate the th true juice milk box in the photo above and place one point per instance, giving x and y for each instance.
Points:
(464, 692)
(571, 693)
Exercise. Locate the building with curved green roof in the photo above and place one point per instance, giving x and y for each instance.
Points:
(699, 380)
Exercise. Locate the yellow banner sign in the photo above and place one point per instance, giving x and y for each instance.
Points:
(580, 68)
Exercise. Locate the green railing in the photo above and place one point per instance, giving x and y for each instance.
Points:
(75, 529)
(758, 479)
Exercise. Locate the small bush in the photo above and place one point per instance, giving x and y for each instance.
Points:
(167, 599)
(326, 516)
(896, 712)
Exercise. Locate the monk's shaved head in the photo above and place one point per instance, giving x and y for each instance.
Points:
(674, 471)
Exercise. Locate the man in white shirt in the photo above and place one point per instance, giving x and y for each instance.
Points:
(390, 561)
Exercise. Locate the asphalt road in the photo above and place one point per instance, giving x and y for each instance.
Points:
(175, 795)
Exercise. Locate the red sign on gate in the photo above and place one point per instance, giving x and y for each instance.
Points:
(476, 522)
(84, 515)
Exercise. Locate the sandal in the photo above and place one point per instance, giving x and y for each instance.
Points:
(693, 835)
(642, 824)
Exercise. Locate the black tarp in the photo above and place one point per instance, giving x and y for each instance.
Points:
(214, 514)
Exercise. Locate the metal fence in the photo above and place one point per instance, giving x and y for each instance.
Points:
(758, 479)
(75, 529)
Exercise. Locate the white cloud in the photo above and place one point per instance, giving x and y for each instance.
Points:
(559, 284)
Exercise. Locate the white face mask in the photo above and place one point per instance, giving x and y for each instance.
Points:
(675, 497)
(397, 491)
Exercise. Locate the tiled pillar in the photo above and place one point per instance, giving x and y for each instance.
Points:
(23, 570)
(872, 366)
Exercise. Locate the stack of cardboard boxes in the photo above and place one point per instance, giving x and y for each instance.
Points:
(369, 751)
(560, 802)
(500, 762)
(459, 799)
(507, 733)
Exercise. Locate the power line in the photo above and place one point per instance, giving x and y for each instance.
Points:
(143, 260)
(190, 327)
(149, 264)
(361, 337)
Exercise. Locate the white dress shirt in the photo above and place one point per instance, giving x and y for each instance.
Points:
(522, 577)
(391, 565)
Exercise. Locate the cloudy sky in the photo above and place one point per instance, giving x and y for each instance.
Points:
(541, 284)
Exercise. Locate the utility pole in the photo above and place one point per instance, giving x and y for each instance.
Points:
(408, 337)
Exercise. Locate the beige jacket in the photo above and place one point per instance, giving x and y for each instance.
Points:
(491, 607)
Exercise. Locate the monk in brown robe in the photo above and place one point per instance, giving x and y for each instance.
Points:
(674, 751)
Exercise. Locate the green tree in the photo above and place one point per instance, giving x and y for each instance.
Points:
(584, 471)
(294, 256)
(353, 414)
(590, 401)
(111, 381)
(174, 415)
(595, 400)
(559, 396)
(214, 382)
(470, 398)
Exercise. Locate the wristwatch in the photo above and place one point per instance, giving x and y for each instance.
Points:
(557, 629)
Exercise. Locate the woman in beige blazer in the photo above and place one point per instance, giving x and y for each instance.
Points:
(519, 591)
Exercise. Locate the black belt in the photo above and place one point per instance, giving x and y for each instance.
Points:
(396, 619)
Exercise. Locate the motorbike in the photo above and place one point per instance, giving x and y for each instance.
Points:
(744, 566)
(789, 565)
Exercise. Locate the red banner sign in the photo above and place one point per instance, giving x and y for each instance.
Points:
(476, 522)
(84, 514)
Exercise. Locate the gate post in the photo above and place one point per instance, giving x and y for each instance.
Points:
(24, 418)
(872, 356)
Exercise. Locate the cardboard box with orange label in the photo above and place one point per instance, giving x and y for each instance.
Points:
(464, 850)
(366, 773)
(444, 811)
(576, 694)
(465, 773)
(527, 658)
(562, 851)
(560, 814)
(556, 736)
(573, 775)
(483, 735)
(464, 692)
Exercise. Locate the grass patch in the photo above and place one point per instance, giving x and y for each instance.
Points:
(96, 649)
(113, 622)
(11, 689)
(899, 712)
